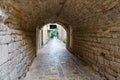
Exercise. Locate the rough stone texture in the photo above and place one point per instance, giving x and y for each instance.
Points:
(17, 50)
(97, 37)
(58, 64)
(4, 53)
(95, 24)
(16, 55)
(99, 48)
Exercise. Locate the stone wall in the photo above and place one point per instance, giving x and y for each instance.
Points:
(99, 47)
(17, 50)
(95, 26)
(97, 37)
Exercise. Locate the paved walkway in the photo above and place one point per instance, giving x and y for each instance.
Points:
(54, 62)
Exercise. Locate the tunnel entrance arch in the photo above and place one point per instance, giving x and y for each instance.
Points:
(39, 36)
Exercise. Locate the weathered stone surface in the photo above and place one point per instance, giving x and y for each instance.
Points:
(58, 64)
(3, 16)
(15, 50)
(115, 66)
(5, 39)
(104, 48)
(3, 27)
(3, 54)
(4, 70)
(95, 37)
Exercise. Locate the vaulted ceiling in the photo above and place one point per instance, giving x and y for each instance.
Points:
(27, 14)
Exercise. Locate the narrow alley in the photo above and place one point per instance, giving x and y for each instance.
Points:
(90, 30)
(55, 62)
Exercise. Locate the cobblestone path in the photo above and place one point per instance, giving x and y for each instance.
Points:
(54, 62)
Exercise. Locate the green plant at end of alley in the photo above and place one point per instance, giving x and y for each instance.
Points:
(54, 33)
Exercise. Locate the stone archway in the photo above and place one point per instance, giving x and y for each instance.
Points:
(67, 29)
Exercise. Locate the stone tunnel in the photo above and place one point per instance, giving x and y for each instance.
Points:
(93, 33)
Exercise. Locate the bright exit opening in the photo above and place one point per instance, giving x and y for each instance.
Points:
(49, 32)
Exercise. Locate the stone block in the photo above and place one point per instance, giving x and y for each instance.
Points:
(115, 66)
(109, 77)
(4, 70)
(3, 27)
(5, 39)
(3, 54)
(14, 54)
(13, 46)
(13, 75)
(3, 16)
(16, 37)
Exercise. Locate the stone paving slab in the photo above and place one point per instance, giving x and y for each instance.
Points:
(54, 62)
